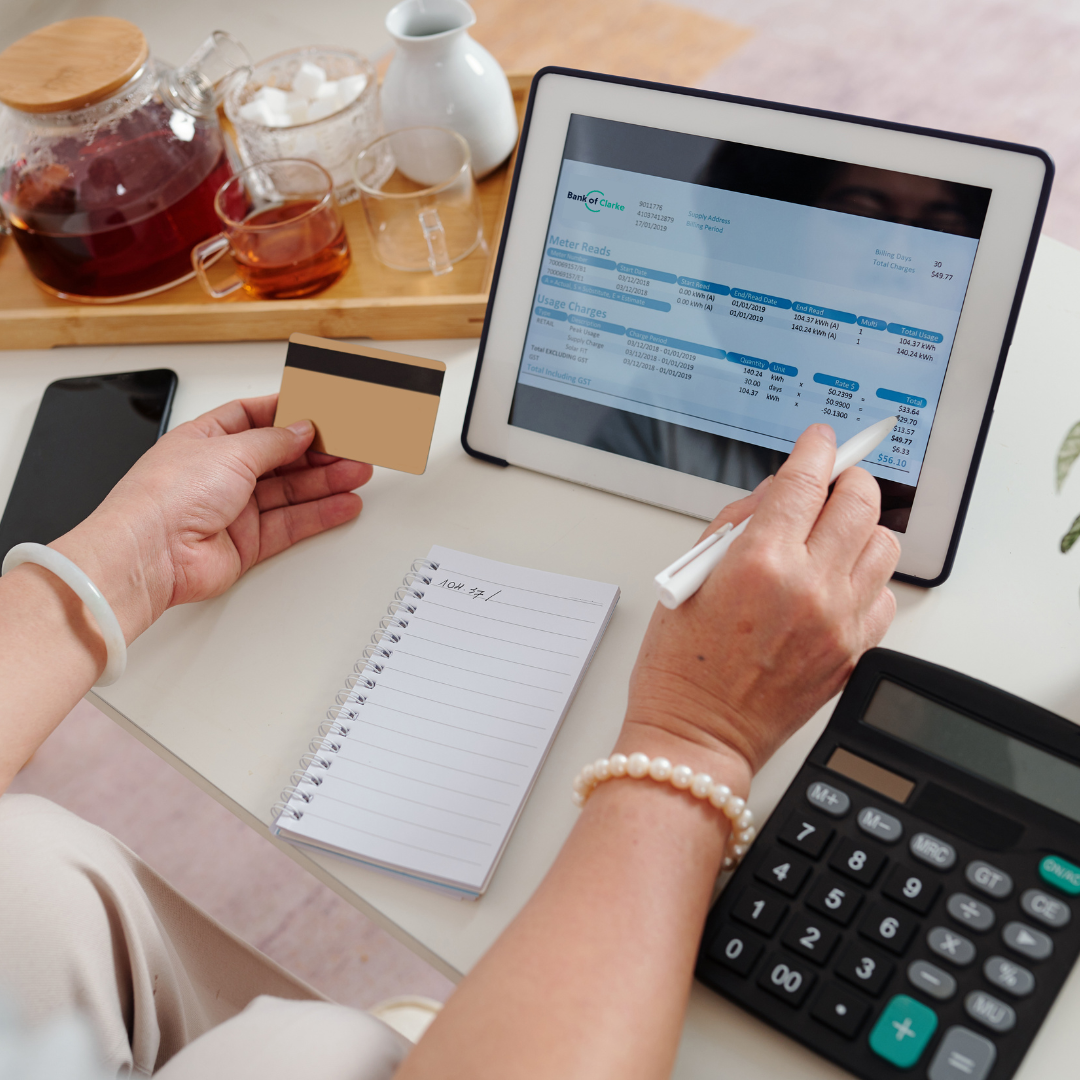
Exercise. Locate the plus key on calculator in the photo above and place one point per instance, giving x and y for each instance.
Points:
(909, 905)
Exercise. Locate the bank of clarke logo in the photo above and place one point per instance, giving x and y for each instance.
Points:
(595, 201)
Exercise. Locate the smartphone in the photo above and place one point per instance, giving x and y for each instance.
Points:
(87, 433)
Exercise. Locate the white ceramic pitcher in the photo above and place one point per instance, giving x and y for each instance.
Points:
(440, 76)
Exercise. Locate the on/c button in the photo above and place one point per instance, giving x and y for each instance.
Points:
(1060, 873)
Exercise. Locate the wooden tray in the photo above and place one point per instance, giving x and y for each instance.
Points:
(371, 300)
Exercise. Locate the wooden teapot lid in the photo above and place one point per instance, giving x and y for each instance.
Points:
(71, 64)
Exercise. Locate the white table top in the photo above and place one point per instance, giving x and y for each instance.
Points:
(231, 691)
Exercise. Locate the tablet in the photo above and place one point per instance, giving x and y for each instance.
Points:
(688, 280)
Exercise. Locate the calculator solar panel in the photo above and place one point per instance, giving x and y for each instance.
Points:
(913, 903)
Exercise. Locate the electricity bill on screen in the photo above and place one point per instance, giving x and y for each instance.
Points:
(703, 306)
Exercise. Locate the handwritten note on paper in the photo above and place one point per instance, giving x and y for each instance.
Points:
(451, 727)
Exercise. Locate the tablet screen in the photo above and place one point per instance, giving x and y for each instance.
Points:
(701, 302)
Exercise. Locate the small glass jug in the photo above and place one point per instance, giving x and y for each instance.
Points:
(109, 160)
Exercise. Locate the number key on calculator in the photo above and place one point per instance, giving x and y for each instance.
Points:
(784, 871)
(811, 937)
(915, 889)
(857, 860)
(759, 909)
(806, 833)
(890, 927)
(834, 897)
(865, 967)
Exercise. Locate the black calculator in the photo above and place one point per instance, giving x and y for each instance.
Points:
(912, 906)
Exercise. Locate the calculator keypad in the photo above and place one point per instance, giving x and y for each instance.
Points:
(878, 934)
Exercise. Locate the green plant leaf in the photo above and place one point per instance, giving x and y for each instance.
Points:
(1069, 452)
(1071, 536)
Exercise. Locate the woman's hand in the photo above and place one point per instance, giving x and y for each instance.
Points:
(210, 500)
(778, 626)
(719, 684)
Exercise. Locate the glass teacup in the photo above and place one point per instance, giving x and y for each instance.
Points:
(282, 227)
(420, 199)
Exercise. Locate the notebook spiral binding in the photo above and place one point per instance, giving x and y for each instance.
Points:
(345, 709)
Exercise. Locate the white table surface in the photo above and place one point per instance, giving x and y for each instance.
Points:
(230, 691)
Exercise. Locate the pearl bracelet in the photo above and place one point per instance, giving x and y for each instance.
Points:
(682, 778)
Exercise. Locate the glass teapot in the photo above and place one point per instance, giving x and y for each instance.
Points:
(109, 160)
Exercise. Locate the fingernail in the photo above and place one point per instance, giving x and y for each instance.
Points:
(301, 427)
(764, 483)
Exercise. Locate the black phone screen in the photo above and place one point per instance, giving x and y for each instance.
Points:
(87, 433)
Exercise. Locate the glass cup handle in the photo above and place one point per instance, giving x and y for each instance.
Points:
(205, 255)
(435, 235)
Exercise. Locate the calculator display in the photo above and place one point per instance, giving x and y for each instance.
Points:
(976, 747)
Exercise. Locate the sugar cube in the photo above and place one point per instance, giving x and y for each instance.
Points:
(273, 96)
(350, 88)
(308, 79)
(256, 111)
(323, 106)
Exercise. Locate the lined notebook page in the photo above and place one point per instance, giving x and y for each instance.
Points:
(446, 745)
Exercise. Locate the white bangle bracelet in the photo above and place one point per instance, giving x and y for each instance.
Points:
(682, 778)
(81, 585)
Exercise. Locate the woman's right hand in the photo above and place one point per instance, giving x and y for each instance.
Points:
(208, 501)
(777, 627)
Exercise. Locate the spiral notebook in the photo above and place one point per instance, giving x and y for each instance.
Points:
(428, 755)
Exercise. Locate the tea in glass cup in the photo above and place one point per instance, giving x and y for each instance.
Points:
(282, 227)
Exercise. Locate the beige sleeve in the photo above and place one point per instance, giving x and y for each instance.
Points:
(85, 924)
(274, 1039)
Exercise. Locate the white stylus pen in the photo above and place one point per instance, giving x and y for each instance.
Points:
(685, 576)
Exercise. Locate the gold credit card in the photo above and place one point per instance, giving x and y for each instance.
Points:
(366, 404)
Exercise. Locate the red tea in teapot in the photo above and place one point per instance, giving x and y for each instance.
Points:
(118, 216)
(109, 160)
